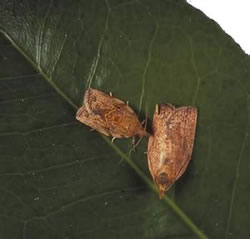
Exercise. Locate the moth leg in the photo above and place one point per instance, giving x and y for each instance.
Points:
(91, 130)
(127, 102)
(110, 93)
(113, 139)
(135, 144)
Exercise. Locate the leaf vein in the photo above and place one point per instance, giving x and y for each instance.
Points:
(237, 170)
(148, 59)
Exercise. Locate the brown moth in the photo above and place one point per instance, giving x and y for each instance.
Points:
(170, 147)
(109, 115)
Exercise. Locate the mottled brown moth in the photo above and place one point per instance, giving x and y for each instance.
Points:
(170, 147)
(109, 115)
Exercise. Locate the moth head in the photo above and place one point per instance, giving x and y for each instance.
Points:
(142, 132)
(163, 182)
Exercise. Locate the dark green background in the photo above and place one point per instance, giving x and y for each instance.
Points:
(60, 180)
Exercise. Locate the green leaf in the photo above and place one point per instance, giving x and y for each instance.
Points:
(60, 180)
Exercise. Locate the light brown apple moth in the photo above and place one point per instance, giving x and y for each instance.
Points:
(170, 147)
(109, 115)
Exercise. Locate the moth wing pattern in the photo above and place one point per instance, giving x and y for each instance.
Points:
(109, 115)
(94, 121)
(181, 127)
(98, 102)
(119, 117)
(159, 147)
(170, 147)
(123, 122)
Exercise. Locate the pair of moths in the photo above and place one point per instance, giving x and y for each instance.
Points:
(169, 147)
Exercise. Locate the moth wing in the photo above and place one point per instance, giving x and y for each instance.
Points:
(158, 145)
(124, 122)
(181, 132)
(97, 102)
(94, 121)
(152, 154)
